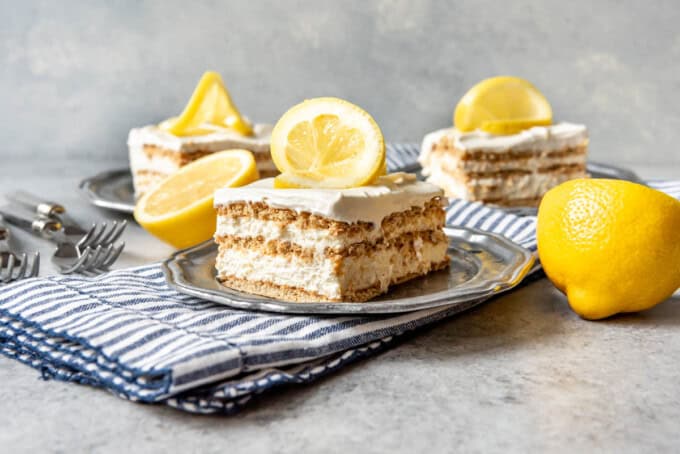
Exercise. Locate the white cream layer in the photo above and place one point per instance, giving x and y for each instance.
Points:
(538, 138)
(219, 140)
(319, 275)
(390, 194)
(316, 275)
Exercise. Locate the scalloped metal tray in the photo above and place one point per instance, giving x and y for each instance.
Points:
(482, 265)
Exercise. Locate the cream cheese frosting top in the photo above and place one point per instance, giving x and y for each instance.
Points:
(389, 194)
(221, 139)
(538, 138)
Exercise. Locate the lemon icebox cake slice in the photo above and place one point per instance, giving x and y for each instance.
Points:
(507, 170)
(309, 245)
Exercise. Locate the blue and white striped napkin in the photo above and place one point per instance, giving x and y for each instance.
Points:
(128, 332)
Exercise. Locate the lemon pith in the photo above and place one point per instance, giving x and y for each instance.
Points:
(210, 104)
(611, 246)
(327, 142)
(180, 210)
(502, 105)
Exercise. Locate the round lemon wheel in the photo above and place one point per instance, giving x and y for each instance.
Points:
(327, 143)
(180, 210)
(502, 105)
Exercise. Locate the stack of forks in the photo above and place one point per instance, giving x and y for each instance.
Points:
(86, 251)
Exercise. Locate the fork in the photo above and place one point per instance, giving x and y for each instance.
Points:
(101, 234)
(14, 267)
(67, 257)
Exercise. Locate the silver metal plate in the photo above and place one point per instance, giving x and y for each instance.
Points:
(482, 265)
(113, 189)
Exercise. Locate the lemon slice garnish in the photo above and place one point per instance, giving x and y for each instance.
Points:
(327, 143)
(210, 104)
(502, 105)
(180, 210)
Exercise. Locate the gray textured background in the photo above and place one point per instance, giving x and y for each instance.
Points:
(76, 75)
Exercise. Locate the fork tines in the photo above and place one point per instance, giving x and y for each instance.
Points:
(102, 235)
(17, 268)
(95, 261)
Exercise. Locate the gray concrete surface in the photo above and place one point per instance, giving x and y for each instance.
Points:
(521, 373)
(76, 75)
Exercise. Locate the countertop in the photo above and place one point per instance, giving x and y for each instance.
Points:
(521, 373)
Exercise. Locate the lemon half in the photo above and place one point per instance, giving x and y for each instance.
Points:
(502, 105)
(180, 210)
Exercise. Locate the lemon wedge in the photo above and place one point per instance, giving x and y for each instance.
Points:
(209, 105)
(327, 143)
(502, 105)
(180, 210)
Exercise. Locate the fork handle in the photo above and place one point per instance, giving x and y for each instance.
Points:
(30, 222)
(35, 204)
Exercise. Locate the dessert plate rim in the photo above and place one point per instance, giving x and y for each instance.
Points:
(90, 187)
(516, 263)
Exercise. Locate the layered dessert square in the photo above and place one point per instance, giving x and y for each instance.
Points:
(310, 245)
(505, 170)
(155, 153)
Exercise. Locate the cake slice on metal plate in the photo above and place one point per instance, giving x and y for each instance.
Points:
(329, 244)
(332, 226)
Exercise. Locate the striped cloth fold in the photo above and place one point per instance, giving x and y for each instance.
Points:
(128, 332)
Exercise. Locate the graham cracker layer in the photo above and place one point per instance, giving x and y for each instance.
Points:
(392, 224)
(300, 295)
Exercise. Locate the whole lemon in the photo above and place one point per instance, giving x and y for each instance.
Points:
(611, 246)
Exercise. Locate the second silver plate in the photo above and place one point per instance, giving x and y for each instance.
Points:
(112, 190)
(482, 265)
